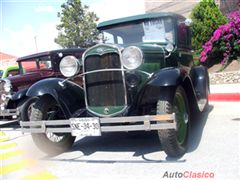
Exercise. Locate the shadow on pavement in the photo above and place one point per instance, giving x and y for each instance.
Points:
(138, 142)
(141, 143)
(197, 128)
(9, 124)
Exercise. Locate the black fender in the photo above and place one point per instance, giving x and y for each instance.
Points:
(168, 77)
(67, 94)
(200, 80)
(19, 95)
(17, 98)
(162, 85)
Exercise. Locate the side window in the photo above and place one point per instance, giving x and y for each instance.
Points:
(184, 36)
(120, 40)
(111, 38)
(13, 72)
(28, 66)
(108, 38)
(45, 65)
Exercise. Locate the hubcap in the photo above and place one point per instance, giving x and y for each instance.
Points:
(53, 136)
(181, 118)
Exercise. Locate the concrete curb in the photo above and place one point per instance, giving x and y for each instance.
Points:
(225, 92)
(233, 97)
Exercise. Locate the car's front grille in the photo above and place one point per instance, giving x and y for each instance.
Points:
(1, 90)
(104, 88)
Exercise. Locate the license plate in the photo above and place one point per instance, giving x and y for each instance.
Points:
(85, 126)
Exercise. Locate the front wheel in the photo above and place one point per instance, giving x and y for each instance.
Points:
(25, 107)
(46, 108)
(174, 142)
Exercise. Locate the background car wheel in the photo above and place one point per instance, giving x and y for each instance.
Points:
(174, 142)
(46, 108)
(26, 108)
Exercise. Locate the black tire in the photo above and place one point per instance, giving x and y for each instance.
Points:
(26, 108)
(174, 142)
(45, 108)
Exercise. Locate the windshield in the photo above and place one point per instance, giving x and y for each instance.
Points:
(1, 73)
(154, 30)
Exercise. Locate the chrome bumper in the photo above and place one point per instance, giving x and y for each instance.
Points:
(9, 112)
(113, 124)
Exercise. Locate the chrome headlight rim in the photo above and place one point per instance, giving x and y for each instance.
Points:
(132, 57)
(7, 87)
(169, 47)
(69, 66)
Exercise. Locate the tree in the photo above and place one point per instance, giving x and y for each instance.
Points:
(77, 26)
(206, 17)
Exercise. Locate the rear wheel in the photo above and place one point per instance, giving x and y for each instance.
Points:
(46, 108)
(174, 142)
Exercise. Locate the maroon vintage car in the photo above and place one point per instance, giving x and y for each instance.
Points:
(13, 100)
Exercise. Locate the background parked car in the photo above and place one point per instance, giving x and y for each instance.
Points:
(32, 68)
(9, 71)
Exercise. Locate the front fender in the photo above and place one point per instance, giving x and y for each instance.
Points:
(200, 79)
(19, 95)
(168, 77)
(68, 95)
(162, 85)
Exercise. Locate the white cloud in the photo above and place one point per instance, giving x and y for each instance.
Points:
(109, 9)
(45, 9)
(22, 42)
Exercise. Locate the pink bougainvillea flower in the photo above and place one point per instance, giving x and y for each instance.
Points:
(223, 41)
(217, 34)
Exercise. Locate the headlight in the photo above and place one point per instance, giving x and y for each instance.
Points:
(7, 86)
(169, 47)
(69, 66)
(132, 57)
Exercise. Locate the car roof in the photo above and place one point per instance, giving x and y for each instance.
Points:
(104, 24)
(46, 53)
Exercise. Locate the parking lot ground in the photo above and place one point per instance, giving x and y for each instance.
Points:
(214, 146)
(16, 164)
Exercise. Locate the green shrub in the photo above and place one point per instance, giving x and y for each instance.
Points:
(206, 17)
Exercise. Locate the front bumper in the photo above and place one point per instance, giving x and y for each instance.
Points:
(113, 124)
(9, 112)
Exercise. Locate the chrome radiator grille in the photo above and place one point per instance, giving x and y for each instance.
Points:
(1, 90)
(105, 88)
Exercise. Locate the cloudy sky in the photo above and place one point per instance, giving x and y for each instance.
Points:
(24, 22)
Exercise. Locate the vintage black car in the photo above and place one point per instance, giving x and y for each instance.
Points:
(140, 78)
(32, 68)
